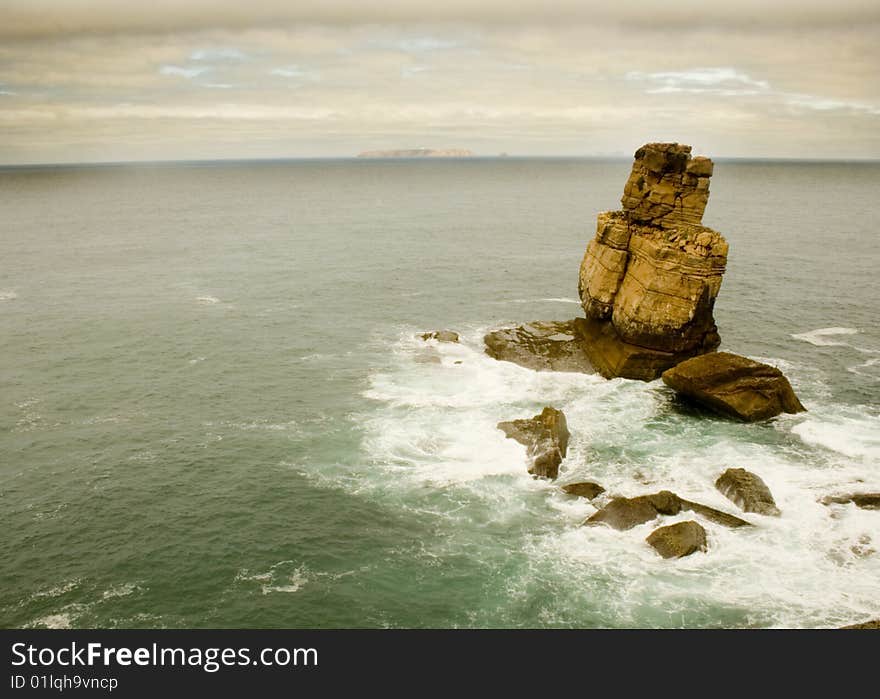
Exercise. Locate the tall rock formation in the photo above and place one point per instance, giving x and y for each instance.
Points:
(649, 278)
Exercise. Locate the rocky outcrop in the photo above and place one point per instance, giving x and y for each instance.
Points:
(867, 501)
(587, 489)
(541, 345)
(545, 437)
(677, 540)
(873, 624)
(734, 386)
(440, 336)
(649, 278)
(626, 513)
(747, 491)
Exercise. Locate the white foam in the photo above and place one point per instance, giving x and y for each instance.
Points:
(53, 621)
(207, 300)
(820, 337)
(279, 578)
(121, 590)
(433, 449)
(855, 437)
(864, 369)
(8, 295)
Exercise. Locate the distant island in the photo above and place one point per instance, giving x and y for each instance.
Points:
(417, 153)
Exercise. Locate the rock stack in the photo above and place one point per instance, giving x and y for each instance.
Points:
(649, 278)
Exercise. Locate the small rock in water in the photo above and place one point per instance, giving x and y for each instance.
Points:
(545, 437)
(867, 501)
(588, 489)
(441, 336)
(677, 540)
(747, 491)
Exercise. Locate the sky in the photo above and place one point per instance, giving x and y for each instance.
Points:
(113, 80)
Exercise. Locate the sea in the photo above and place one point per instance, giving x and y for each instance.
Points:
(215, 409)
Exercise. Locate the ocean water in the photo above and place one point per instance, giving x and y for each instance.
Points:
(214, 411)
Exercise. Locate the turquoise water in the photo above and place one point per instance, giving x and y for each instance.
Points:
(214, 411)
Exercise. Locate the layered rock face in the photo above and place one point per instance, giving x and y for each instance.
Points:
(649, 279)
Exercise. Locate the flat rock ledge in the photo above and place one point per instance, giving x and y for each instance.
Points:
(867, 501)
(542, 345)
(625, 513)
(545, 437)
(678, 540)
(582, 345)
(747, 491)
(734, 386)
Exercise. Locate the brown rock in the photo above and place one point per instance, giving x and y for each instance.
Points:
(650, 276)
(747, 491)
(677, 540)
(734, 386)
(867, 501)
(626, 513)
(588, 489)
(541, 345)
(441, 336)
(545, 437)
(873, 624)
(713, 515)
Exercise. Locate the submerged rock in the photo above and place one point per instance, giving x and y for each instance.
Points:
(677, 540)
(441, 336)
(867, 501)
(545, 437)
(587, 489)
(650, 276)
(747, 491)
(626, 513)
(734, 386)
(540, 345)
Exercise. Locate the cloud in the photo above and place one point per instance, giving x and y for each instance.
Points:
(218, 55)
(294, 71)
(727, 82)
(823, 104)
(184, 72)
(417, 44)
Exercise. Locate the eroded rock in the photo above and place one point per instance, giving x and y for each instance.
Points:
(747, 491)
(734, 386)
(678, 540)
(650, 276)
(587, 489)
(545, 437)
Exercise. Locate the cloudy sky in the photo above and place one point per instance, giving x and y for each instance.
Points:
(104, 80)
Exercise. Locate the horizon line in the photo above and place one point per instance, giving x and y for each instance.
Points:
(211, 161)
